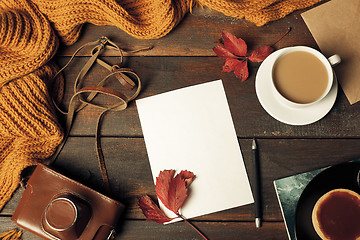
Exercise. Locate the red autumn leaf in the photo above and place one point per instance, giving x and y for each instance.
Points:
(178, 193)
(171, 191)
(235, 45)
(187, 177)
(229, 64)
(261, 53)
(241, 70)
(151, 211)
(162, 185)
(222, 52)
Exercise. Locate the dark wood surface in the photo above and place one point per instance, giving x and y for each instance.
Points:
(184, 58)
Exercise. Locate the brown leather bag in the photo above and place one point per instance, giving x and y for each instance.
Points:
(56, 207)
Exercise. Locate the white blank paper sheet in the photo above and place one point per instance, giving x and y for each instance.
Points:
(192, 129)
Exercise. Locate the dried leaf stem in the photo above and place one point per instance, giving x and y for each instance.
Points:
(193, 226)
(286, 33)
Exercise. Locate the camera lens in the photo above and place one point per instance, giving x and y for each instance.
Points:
(66, 216)
(61, 214)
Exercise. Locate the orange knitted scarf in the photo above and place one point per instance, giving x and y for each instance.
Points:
(29, 29)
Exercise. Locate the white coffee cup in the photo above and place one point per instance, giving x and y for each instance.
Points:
(327, 62)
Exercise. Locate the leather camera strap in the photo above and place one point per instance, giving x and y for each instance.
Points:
(78, 101)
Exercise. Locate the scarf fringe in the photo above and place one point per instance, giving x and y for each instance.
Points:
(14, 234)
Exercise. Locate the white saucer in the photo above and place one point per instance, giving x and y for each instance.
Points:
(282, 112)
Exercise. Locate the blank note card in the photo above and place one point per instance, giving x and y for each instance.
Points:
(192, 129)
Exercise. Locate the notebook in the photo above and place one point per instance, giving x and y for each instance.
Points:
(192, 129)
(288, 191)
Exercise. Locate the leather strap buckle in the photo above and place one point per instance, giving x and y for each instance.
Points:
(112, 235)
(103, 40)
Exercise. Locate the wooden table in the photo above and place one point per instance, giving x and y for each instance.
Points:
(184, 58)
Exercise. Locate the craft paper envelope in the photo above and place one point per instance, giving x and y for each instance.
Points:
(192, 129)
(335, 25)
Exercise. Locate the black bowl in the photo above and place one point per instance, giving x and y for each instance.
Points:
(338, 176)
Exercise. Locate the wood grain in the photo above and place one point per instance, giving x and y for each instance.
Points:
(139, 230)
(130, 175)
(185, 58)
(196, 35)
(162, 74)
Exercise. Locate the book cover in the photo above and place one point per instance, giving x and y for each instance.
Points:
(288, 191)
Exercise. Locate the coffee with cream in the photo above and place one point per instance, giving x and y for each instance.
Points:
(300, 77)
(336, 215)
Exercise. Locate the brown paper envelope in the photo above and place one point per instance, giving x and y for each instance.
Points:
(335, 25)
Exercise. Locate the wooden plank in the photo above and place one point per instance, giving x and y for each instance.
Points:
(138, 230)
(213, 230)
(159, 74)
(197, 33)
(130, 174)
(6, 225)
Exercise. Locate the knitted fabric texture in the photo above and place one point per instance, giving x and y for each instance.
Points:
(29, 131)
(151, 19)
(29, 32)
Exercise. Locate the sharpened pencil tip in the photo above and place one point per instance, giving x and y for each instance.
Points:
(253, 144)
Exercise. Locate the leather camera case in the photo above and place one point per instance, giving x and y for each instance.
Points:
(56, 207)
